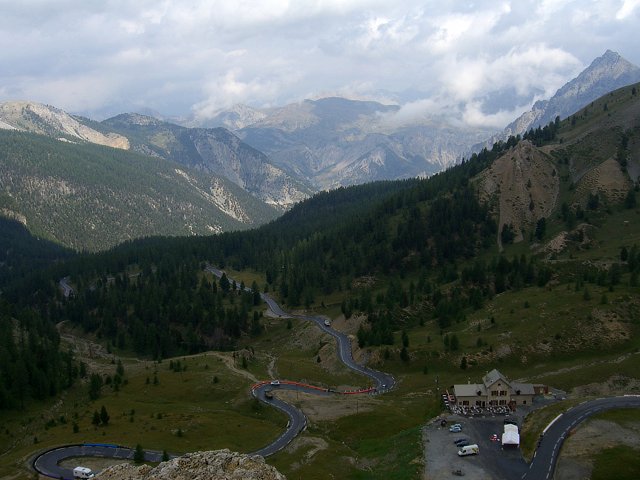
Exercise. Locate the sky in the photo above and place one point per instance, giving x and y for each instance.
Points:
(480, 62)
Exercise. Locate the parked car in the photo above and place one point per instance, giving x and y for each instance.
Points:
(460, 440)
(455, 428)
(468, 450)
(463, 443)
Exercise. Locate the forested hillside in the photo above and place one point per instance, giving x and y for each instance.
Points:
(89, 197)
(403, 254)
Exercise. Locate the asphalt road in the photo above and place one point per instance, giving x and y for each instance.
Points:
(48, 462)
(544, 461)
(297, 421)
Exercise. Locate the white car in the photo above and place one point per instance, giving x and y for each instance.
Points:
(275, 383)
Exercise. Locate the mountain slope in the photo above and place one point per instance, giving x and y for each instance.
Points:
(605, 74)
(53, 122)
(214, 151)
(592, 160)
(89, 197)
(338, 142)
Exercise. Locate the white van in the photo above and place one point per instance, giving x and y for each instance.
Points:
(82, 472)
(469, 450)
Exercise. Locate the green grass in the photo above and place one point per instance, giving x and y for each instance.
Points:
(621, 463)
(184, 412)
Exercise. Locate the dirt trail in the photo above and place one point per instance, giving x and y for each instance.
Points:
(230, 363)
(619, 359)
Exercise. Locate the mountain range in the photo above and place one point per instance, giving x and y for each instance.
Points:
(239, 169)
(337, 142)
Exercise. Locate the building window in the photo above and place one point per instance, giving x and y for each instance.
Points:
(524, 402)
(465, 402)
(502, 402)
(503, 393)
(494, 393)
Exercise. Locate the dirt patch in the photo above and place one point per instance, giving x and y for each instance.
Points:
(521, 186)
(229, 361)
(606, 179)
(615, 385)
(591, 437)
(314, 445)
(327, 408)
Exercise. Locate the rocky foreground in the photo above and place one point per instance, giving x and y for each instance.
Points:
(215, 465)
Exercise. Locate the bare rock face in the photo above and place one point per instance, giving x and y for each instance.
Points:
(522, 186)
(214, 465)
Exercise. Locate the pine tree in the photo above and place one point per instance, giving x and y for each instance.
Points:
(138, 455)
(104, 416)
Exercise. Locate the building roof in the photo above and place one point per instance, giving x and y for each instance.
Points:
(493, 376)
(469, 390)
(523, 388)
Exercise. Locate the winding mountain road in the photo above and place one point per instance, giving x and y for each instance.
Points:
(48, 463)
(545, 457)
(541, 467)
(297, 420)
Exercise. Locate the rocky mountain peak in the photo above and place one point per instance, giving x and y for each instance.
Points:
(47, 120)
(213, 465)
(605, 74)
(134, 119)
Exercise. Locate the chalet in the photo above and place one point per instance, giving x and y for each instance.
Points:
(494, 390)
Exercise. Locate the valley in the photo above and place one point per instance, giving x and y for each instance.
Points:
(523, 258)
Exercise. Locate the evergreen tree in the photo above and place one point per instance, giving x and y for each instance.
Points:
(104, 416)
(138, 454)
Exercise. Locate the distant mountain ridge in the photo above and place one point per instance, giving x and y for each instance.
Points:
(53, 122)
(89, 197)
(338, 142)
(605, 74)
(213, 151)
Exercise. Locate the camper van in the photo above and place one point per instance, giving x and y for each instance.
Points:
(82, 472)
(468, 450)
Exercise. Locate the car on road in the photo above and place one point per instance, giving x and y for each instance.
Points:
(268, 395)
(275, 383)
(327, 323)
(455, 428)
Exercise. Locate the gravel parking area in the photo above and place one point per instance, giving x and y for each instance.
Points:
(492, 463)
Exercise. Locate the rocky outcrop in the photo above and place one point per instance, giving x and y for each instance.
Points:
(214, 465)
(46, 120)
(522, 186)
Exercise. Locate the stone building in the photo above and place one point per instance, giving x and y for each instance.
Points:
(495, 390)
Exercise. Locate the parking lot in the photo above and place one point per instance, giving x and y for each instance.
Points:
(441, 454)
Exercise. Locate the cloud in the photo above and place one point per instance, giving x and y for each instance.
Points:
(627, 9)
(204, 55)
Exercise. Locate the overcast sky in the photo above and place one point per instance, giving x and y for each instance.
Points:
(484, 60)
